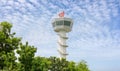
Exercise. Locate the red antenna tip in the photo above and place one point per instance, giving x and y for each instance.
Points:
(61, 14)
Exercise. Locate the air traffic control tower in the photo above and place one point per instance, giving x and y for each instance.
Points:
(62, 25)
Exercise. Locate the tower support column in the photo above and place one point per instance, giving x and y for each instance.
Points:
(62, 44)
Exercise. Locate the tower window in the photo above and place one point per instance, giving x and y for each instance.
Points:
(67, 23)
(59, 23)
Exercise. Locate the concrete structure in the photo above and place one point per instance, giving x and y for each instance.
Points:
(62, 26)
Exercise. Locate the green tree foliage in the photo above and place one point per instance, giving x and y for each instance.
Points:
(40, 64)
(26, 53)
(58, 64)
(71, 66)
(82, 66)
(8, 43)
(26, 56)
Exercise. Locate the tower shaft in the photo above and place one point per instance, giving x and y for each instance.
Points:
(62, 44)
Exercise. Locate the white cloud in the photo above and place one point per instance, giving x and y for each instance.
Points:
(22, 1)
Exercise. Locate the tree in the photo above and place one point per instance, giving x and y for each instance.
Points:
(26, 53)
(82, 66)
(8, 43)
(58, 64)
(40, 64)
(71, 66)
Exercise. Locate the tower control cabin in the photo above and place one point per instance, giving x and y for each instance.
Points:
(62, 26)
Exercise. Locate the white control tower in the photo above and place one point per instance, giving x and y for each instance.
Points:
(62, 25)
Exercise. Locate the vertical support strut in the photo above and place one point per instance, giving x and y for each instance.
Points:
(62, 44)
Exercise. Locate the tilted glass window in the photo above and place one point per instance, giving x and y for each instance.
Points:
(67, 23)
(59, 23)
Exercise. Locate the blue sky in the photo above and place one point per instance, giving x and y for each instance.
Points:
(95, 36)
